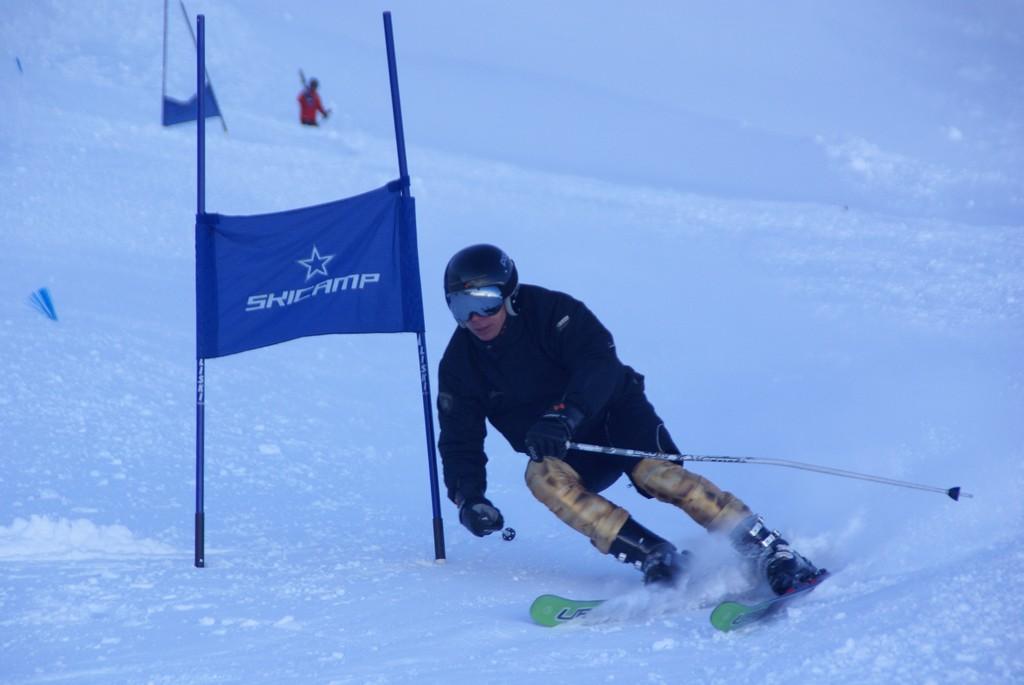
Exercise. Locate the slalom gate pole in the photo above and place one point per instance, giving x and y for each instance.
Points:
(200, 524)
(421, 342)
(953, 493)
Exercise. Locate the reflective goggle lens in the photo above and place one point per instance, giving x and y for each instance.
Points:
(486, 301)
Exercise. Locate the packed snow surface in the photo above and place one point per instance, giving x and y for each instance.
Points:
(803, 223)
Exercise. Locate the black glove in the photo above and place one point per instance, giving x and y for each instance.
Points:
(480, 516)
(548, 437)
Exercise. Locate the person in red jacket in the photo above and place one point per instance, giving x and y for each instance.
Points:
(309, 104)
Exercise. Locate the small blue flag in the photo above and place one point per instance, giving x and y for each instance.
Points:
(178, 112)
(349, 266)
(42, 301)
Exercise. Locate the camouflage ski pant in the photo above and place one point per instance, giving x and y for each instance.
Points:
(562, 490)
(569, 487)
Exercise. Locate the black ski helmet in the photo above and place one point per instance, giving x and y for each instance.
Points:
(478, 266)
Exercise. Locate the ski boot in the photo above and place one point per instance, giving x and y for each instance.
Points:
(771, 555)
(659, 560)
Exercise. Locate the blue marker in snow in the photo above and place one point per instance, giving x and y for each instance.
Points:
(18, 60)
(42, 301)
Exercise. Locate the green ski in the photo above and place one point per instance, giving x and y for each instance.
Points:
(731, 615)
(552, 610)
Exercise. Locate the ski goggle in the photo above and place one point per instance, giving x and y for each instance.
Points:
(486, 301)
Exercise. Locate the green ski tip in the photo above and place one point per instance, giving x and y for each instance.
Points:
(726, 613)
(730, 615)
(552, 610)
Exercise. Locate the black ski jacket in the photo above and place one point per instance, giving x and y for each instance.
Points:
(553, 349)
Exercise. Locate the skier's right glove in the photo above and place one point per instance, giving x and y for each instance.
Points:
(480, 516)
(550, 435)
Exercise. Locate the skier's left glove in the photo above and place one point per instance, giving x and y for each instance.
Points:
(549, 437)
(480, 516)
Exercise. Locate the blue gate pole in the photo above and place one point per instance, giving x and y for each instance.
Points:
(421, 343)
(200, 524)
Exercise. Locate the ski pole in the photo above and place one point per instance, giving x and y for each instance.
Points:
(953, 493)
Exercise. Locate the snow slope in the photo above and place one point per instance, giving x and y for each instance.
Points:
(859, 310)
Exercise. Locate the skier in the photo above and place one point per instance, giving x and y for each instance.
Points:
(543, 370)
(309, 104)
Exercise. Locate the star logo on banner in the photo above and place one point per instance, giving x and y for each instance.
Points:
(316, 264)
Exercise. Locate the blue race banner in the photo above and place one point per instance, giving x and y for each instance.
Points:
(349, 266)
(178, 112)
